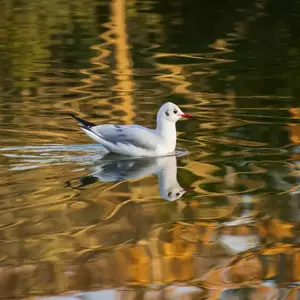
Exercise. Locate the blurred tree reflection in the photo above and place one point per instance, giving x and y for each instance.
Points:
(35, 33)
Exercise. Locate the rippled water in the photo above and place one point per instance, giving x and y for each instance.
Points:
(218, 220)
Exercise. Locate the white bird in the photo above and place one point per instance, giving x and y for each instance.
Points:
(127, 169)
(136, 140)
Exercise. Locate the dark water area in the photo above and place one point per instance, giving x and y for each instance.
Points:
(218, 220)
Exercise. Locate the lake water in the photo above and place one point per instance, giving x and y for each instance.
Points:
(220, 220)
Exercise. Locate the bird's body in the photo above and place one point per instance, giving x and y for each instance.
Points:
(133, 140)
(136, 140)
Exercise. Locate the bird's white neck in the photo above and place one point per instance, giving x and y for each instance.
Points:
(167, 130)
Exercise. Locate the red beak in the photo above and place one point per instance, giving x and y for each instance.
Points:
(185, 115)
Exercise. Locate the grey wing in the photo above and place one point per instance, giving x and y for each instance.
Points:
(135, 135)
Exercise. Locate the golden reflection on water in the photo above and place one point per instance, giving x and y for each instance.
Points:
(221, 222)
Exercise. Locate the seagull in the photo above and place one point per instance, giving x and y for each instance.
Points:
(116, 170)
(136, 140)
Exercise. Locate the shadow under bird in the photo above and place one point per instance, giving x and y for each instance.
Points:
(136, 140)
(121, 170)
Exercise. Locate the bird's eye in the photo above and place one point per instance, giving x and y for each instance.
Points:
(167, 113)
(175, 111)
(177, 194)
(169, 194)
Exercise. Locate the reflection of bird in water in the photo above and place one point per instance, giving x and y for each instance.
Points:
(112, 170)
(136, 140)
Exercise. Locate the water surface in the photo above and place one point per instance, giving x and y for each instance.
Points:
(218, 220)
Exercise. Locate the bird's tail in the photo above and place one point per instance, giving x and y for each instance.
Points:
(83, 122)
(87, 127)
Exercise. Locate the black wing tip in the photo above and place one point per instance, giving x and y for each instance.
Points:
(72, 115)
(81, 121)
